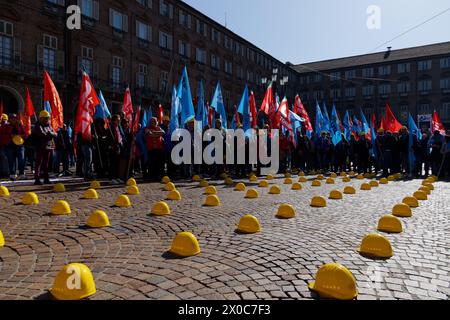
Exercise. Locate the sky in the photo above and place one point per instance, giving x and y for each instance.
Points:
(301, 31)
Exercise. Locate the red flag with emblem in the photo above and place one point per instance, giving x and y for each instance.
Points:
(86, 108)
(436, 124)
(127, 107)
(391, 123)
(253, 111)
(51, 96)
(268, 103)
(300, 109)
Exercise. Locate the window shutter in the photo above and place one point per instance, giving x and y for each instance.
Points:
(149, 32)
(189, 21)
(17, 51)
(171, 11)
(198, 26)
(125, 23)
(150, 4)
(96, 10)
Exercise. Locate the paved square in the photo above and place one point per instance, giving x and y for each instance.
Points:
(128, 259)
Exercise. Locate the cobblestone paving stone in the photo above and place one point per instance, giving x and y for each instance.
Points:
(128, 259)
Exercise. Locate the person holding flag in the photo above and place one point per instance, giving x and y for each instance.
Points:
(12, 137)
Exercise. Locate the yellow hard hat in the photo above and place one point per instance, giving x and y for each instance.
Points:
(4, 192)
(376, 245)
(264, 184)
(252, 194)
(249, 224)
(275, 190)
(203, 183)
(161, 209)
(90, 194)
(390, 224)
(166, 118)
(61, 208)
(18, 140)
(318, 202)
(229, 181)
(59, 187)
(174, 195)
(296, 186)
(5, 117)
(165, 179)
(98, 219)
(30, 199)
(95, 185)
(286, 211)
(335, 281)
(212, 201)
(170, 186)
(74, 282)
(210, 190)
(133, 191)
(185, 244)
(123, 201)
(2, 240)
(239, 187)
(131, 182)
(44, 114)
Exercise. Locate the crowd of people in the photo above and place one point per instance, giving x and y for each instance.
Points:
(116, 153)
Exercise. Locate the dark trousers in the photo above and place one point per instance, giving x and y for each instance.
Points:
(16, 155)
(42, 163)
(156, 164)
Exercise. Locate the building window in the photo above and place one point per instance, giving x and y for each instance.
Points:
(445, 84)
(185, 19)
(164, 81)
(335, 93)
(118, 20)
(49, 54)
(228, 67)
(384, 70)
(385, 89)
(6, 43)
(240, 73)
(145, 3)
(250, 76)
(184, 48)
(350, 92)
(215, 35)
(201, 28)
(335, 76)
(90, 9)
(404, 67)
(215, 62)
(445, 63)
(143, 31)
(424, 108)
(165, 40)
(318, 94)
(424, 65)
(350, 74)
(116, 72)
(142, 76)
(445, 111)
(367, 72)
(368, 90)
(404, 87)
(87, 60)
(200, 55)
(317, 77)
(166, 9)
(228, 43)
(424, 86)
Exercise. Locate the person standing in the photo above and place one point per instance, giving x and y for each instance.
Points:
(115, 146)
(63, 145)
(435, 143)
(363, 150)
(12, 136)
(155, 146)
(44, 137)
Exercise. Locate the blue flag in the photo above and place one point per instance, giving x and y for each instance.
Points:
(319, 120)
(47, 107)
(174, 112)
(244, 110)
(296, 122)
(347, 126)
(364, 123)
(144, 120)
(102, 110)
(413, 131)
(202, 113)
(186, 104)
(218, 105)
(326, 118)
(335, 127)
(356, 125)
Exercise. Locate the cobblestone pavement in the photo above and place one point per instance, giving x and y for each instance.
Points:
(128, 259)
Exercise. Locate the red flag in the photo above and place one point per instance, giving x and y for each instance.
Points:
(28, 112)
(268, 102)
(300, 109)
(436, 124)
(374, 121)
(391, 123)
(127, 107)
(210, 115)
(382, 125)
(137, 120)
(253, 112)
(52, 96)
(86, 108)
(284, 117)
(160, 114)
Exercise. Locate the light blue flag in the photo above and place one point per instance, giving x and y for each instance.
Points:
(202, 113)
(319, 120)
(347, 126)
(335, 127)
(47, 107)
(356, 125)
(364, 124)
(244, 110)
(174, 112)
(413, 131)
(144, 120)
(102, 110)
(296, 122)
(326, 119)
(374, 138)
(218, 105)
(186, 104)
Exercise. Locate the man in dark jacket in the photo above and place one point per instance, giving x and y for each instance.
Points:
(44, 136)
(363, 150)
